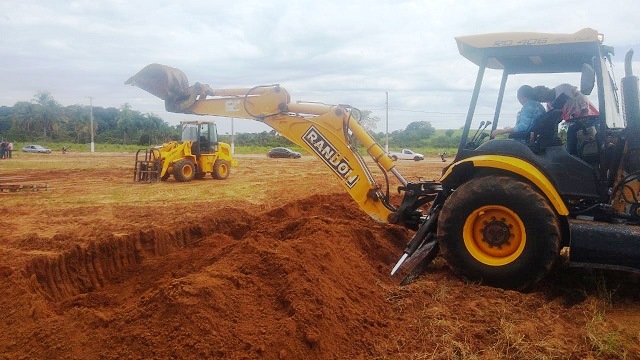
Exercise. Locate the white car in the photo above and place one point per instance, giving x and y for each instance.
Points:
(36, 149)
(406, 154)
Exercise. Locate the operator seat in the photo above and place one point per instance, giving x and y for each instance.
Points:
(205, 145)
(543, 132)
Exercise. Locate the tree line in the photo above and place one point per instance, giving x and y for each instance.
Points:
(43, 119)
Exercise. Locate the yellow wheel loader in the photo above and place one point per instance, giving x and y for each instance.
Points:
(198, 154)
(503, 209)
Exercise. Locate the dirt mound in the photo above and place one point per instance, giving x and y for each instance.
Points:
(295, 281)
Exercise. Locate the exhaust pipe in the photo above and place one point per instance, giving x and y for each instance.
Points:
(631, 106)
(630, 97)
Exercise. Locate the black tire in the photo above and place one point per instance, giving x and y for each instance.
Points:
(184, 170)
(158, 166)
(221, 170)
(417, 158)
(522, 230)
(394, 158)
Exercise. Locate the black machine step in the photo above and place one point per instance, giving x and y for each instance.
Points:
(604, 245)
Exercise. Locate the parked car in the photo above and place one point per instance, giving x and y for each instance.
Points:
(281, 152)
(406, 154)
(36, 149)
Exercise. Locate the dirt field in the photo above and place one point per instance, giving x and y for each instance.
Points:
(277, 262)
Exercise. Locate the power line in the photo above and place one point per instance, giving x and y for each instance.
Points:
(440, 112)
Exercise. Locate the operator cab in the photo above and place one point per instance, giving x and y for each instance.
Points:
(547, 59)
(203, 135)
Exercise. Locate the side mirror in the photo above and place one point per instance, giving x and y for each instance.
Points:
(587, 80)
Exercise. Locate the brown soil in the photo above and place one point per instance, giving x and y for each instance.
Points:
(276, 262)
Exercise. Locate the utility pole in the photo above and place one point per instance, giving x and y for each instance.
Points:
(233, 152)
(386, 136)
(91, 116)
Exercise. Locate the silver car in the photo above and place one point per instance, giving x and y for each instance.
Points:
(36, 149)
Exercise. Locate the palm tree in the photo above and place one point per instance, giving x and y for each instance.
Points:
(23, 117)
(125, 122)
(48, 112)
(77, 126)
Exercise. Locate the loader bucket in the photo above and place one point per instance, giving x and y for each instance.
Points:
(163, 81)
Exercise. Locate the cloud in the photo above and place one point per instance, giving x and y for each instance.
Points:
(330, 51)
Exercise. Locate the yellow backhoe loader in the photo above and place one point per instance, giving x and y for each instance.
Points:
(198, 154)
(503, 209)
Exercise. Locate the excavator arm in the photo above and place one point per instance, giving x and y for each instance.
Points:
(327, 131)
(323, 130)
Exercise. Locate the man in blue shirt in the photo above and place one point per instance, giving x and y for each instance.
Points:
(531, 110)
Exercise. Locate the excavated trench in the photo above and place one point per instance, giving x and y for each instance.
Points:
(82, 270)
(85, 269)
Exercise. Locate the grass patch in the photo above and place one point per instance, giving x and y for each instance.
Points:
(243, 150)
(605, 343)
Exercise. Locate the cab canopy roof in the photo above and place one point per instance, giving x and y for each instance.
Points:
(197, 122)
(528, 52)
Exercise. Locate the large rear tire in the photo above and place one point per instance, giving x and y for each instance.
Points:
(184, 170)
(221, 170)
(499, 231)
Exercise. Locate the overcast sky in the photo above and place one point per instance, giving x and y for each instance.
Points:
(347, 52)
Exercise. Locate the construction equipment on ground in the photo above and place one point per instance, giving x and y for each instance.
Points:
(199, 153)
(502, 209)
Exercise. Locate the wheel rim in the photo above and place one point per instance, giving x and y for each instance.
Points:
(222, 170)
(494, 235)
(187, 171)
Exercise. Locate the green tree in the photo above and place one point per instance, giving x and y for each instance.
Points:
(153, 129)
(424, 128)
(78, 124)
(125, 122)
(5, 119)
(444, 141)
(23, 119)
(370, 123)
(416, 134)
(47, 113)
